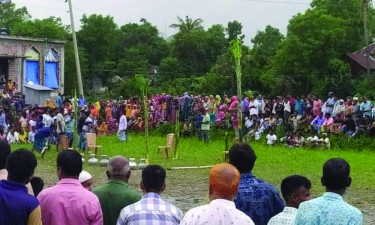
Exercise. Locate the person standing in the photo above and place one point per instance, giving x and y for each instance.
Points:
(69, 126)
(16, 205)
(331, 209)
(59, 101)
(256, 198)
(122, 125)
(205, 127)
(295, 190)
(60, 121)
(224, 180)
(151, 209)
(69, 202)
(116, 194)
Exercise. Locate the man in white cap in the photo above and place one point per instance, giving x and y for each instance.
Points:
(86, 180)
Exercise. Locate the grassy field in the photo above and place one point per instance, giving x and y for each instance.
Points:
(188, 188)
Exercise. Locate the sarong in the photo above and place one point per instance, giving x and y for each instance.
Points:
(121, 134)
(39, 144)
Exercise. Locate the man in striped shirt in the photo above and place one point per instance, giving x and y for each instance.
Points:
(151, 209)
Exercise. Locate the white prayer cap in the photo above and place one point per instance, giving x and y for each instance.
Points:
(84, 176)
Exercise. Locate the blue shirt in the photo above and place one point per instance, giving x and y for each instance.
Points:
(42, 133)
(151, 209)
(329, 209)
(59, 101)
(198, 121)
(299, 106)
(366, 108)
(16, 205)
(81, 102)
(2, 120)
(258, 199)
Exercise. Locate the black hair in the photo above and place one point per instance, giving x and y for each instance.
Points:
(336, 174)
(4, 153)
(243, 157)
(328, 114)
(70, 162)
(292, 183)
(21, 165)
(37, 184)
(153, 178)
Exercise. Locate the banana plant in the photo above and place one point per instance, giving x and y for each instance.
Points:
(236, 50)
(142, 84)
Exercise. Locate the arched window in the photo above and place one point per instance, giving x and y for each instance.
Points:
(51, 79)
(32, 66)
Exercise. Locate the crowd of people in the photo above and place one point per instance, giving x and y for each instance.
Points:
(236, 196)
(305, 120)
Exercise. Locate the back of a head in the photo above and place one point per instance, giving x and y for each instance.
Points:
(336, 174)
(224, 180)
(292, 183)
(21, 165)
(243, 157)
(70, 163)
(153, 178)
(37, 184)
(118, 166)
(4, 153)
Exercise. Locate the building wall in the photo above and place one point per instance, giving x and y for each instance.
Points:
(15, 48)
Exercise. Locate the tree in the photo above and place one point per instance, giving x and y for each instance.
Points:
(234, 31)
(198, 49)
(145, 37)
(188, 25)
(315, 42)
(100, 37)
(10, 15)
(51, 28)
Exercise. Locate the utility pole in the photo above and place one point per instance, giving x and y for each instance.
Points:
(78, 65)
(365, 8)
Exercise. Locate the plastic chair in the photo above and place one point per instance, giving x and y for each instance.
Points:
(168, 149)
(91, 142)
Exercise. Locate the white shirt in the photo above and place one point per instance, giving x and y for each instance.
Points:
(254, 111)
(12, 138)
(271, 139)
(218, 212)
(123, 124)
(287, 106)
(286, 217)
(32, 123)
(60, 118)
(47, 120)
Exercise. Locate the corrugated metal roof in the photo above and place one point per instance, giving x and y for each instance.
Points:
(38, 87)
(362, 60)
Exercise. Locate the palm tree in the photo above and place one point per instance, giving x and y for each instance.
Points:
(187, 25)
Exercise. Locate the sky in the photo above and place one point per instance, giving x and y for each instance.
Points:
(254, 15)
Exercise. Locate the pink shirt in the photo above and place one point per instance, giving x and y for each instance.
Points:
(328, 122)
(69, 203)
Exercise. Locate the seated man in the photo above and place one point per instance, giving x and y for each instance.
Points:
(331, 209)
(16, 205)
(295, 190)
(256, 198)
(151, 209)
(224, 180)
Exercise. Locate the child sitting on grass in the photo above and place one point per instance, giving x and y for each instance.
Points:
(271, 138)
